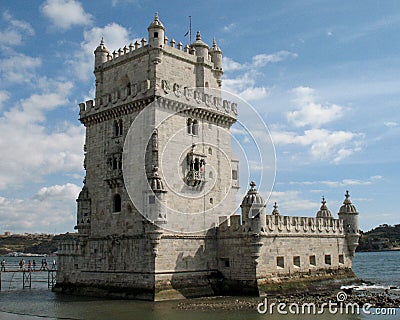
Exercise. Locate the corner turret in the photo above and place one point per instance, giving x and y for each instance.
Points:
(156, 33)
(201, 48)
(349, 214)
(100, 55)
(253, 210)
(156, 198)
(216, 56)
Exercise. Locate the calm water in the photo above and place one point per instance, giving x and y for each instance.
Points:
(39, 303)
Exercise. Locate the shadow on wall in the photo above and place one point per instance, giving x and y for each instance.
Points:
(200, 275)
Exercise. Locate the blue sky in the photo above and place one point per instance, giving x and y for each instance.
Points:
(324, 75)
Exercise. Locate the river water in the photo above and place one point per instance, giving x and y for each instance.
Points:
(381, 268)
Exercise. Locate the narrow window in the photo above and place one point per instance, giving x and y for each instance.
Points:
(128, 89)
(280, 262)
(120, 128)
(155, 34)
(211, 200)
(189, 126)
(313, 261)
(341, 259)
(117, 203)
(234, 175)
(296, 261)
(210, 175)
(328, 259)
(115, 163)
(116, 128)
(210, 151)
(195, 128)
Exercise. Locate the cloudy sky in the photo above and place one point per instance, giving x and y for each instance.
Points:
(324, 75)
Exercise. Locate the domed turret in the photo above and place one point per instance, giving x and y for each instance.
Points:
(324, 212)
(349, 214)
(156, 33)
(100, 54)
(347, 206)
(253, 209)
(252, 197)
(200, 47)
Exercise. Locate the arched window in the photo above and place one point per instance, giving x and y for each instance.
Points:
(128, 89)
(189, 126)
(210, 151)
(117, 203)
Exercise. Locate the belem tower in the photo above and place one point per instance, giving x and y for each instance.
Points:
(156, 215)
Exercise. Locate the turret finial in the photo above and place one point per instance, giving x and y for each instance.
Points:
(198, 36)
(323, 200)
(347, 195)
(156, 16)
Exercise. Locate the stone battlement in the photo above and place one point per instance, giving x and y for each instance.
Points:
(276, 225)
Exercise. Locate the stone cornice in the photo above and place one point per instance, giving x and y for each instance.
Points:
(115, 112)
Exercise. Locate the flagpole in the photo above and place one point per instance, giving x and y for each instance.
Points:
(190, 29)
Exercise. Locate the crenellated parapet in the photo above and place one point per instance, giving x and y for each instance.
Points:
(277, 225)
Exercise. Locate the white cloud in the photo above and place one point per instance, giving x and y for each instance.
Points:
(310, 112)
(391, 124)
(114, 3)
(231, 65)
(51, 210)
(324, 144)
(115, 36)
(15, 32)
(19, 68)
(4, 96)
(257, 61)
(230, 27)
(245, 87)
(291, 203)
(30, 149)
(65, 14)
(339, 183)
(260, 60)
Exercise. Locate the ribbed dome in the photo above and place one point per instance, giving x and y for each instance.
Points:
(155, 181)
(156, 23)
(324, 212)
(347, 206)
(252, 196)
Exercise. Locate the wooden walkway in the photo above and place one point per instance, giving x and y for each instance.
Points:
(27, 276)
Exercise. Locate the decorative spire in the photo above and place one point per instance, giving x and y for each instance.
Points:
(156, 16)
(275, 212)
(198, 36)
(347, 200)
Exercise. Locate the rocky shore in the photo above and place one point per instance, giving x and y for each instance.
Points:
(382, 298)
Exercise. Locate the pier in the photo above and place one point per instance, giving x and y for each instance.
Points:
(26, 277)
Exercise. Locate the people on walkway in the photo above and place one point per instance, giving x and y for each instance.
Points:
(34, 264)
(22, 264)
(54, 266)
(29, 265)
(3, 265)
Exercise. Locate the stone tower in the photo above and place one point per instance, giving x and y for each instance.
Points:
(157, 151)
